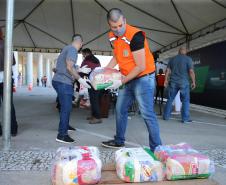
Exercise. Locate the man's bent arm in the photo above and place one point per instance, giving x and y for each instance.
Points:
(72, 70)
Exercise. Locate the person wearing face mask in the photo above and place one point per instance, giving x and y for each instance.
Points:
(136, 63)
(63, 79)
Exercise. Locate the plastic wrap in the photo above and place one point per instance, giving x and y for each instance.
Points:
(183, 162)
(101, 78)
(136, 165)
(76, 166)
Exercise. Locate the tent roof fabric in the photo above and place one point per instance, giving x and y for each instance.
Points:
(48, 25)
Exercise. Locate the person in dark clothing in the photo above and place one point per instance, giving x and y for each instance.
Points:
(37, 81)
(14, 125)
(92, 62)
(160, 79)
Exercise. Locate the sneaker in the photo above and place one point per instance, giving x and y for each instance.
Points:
(70, 128)
(187, 122)
(65, 139)
(112, 144)
(95, 121)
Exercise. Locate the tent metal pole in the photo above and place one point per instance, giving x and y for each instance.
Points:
(45, 32)
(97, 37)
(178, 14)
(150, 15)
(8, 75)
(155, 41)
(157, 30)
(72, 16)
(218, 3)
(102, 6)
(29, 35)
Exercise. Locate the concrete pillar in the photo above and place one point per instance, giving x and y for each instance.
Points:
(29, 69)
(48, 73)
(40, 68)
(16, 69)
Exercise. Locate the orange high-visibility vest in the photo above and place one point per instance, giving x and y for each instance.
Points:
(123, 54)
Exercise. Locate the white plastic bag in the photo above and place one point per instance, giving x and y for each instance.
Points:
(136, 165)
(76, 166)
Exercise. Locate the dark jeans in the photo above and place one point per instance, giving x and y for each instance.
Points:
(160, 90)
(64, 93)
(14, 125)
(95, 102)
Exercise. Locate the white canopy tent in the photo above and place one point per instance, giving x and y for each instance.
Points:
(47, 25)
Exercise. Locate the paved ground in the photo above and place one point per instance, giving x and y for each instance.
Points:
(33, 149)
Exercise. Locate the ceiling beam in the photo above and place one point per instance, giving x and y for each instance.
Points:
(23, 20)
(221, 24)
(155, 42)
(157, 30)
(178, 14)
(102, 6)
(37, 28)
(29, 35)
(49, 50)
(150, 15)
(220, 4)
(72, 16)
(33, 9)
(97, 37)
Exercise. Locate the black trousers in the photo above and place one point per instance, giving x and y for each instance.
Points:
(14, 124)
(159, 89)
(95, 97)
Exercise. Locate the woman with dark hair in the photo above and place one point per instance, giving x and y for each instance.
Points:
(14, 125)
(92, 62)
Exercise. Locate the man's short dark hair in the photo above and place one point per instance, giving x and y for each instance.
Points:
(77, 36)
(114, 14)
(86, 51)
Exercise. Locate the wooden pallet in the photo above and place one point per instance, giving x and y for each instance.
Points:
(109, 177)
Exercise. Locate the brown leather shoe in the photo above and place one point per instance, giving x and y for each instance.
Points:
(95, 121)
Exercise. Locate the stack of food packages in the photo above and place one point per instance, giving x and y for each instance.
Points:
(77, 165)
(137, 165)
(101, 78)
(183, 162)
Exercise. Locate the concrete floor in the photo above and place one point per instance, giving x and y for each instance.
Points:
(38, 122)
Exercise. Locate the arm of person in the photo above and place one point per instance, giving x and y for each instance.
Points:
(70, 68)
(166, 82)
(75, 74)
(139, 58)
(192, 75)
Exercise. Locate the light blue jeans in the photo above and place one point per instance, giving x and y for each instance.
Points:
(172, 91)
(141, 90)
